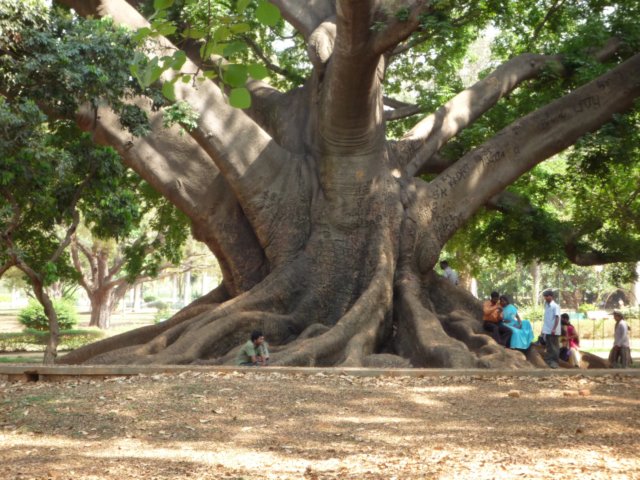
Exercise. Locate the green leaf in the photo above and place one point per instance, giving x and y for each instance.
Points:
(242, 5)
(141, 34)
(168, 90)
(235, 75)
(221, 34)
(234, 48)
(164, 28)
(207, 49)
(179, 58)
(162, 4)
(240, 98)
(267, 13)
(219, 49)
(240, 28)
(151, 73)
(194, 33)
(258, 71)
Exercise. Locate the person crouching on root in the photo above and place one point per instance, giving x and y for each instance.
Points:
(255, 352)
(492, 320)
(570, 351)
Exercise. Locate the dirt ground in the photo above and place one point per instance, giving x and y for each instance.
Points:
(261, 424)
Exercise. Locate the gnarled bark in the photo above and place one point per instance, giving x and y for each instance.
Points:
(326, 241)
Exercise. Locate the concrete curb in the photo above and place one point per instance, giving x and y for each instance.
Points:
(59, 372)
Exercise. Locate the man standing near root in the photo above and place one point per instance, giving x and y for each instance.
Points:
(551, 329)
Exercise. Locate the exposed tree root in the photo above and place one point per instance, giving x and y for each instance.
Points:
(145, 334)
(444, 334)
(426, 322)
(357, 334)
(420, 336)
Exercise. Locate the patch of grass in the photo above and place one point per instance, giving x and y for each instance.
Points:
(19, 359)
(35, 341)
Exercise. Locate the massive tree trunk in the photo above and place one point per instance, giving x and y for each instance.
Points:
(326, 239)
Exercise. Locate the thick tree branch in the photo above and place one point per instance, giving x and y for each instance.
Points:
(177, 167)
(578, 255)
(77, 264)
(6, 267)
(399, 27)
(430, 134)
(408, 45)
(307, 15)
(250, 161)
(75, 216)
(487, 170)
(404, 112)
(216, 117)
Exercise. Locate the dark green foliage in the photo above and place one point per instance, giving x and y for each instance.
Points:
(587, 199)
(48, 171)
(33, 316)
(65, 62)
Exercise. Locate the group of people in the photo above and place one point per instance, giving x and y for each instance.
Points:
(559, 337)
(502, 321)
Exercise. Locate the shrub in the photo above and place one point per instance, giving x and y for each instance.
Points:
(163, 312)
(587, 307)
(149, 298)
(32, 316)
(533, 314)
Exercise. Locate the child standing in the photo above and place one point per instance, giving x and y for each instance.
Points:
(620, 355)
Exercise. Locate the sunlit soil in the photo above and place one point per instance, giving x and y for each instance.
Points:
(268, 425)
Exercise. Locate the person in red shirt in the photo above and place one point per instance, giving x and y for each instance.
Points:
(492, 320)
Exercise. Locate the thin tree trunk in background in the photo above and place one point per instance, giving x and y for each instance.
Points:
(636, 288)
(51, 351)
(473, 287)
(175, 289)
(187, 288)
(536, 275)
(137, 297)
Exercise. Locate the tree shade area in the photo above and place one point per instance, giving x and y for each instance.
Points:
(328, 192)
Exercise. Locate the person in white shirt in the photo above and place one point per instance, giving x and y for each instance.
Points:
(551, 329)
(620, 355)
(448, 272)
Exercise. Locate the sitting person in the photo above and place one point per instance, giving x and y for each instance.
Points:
(570, 350)
(492, 317)
(521, 330)
(255, 352)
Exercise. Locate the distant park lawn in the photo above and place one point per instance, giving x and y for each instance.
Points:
(19, 345)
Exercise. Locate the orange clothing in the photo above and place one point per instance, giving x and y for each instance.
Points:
(491, 312)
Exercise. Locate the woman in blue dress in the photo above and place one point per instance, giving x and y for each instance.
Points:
(522, 332)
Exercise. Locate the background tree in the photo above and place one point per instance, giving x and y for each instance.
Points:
(326, 236)
(46, 181)
(107, 268)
